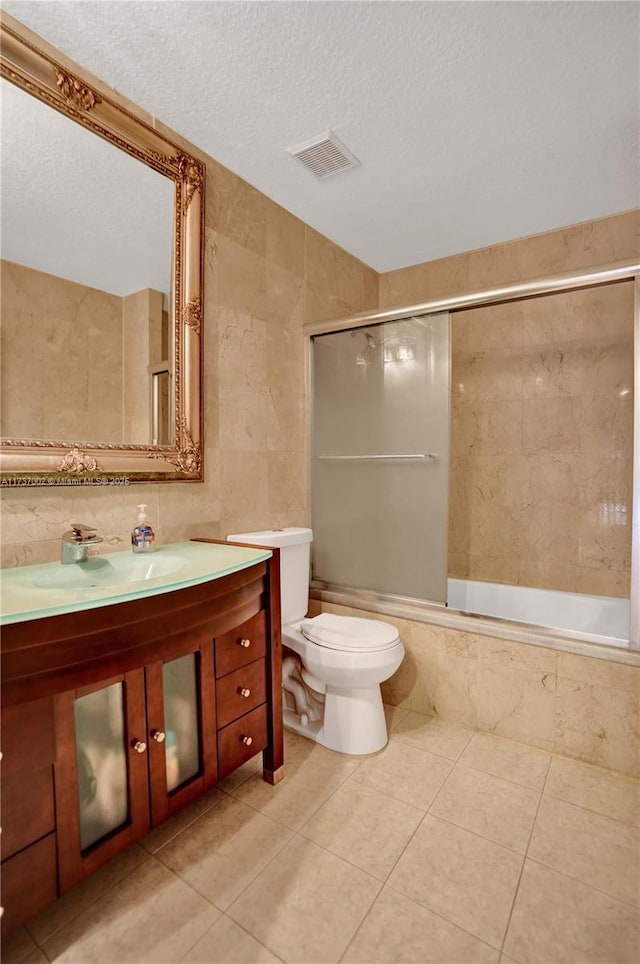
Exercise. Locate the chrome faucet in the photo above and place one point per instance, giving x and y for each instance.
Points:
(76, 542)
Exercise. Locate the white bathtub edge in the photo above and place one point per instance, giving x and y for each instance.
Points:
(483, 625)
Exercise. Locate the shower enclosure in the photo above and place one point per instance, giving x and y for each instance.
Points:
(380, 470)
(482, 457)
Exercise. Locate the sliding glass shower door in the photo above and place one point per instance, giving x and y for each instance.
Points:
(380, 466)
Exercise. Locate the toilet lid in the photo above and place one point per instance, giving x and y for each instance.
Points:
(348, 633)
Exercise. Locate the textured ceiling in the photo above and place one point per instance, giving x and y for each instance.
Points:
(473, 122)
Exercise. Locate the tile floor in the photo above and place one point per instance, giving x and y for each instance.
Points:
(450, 846)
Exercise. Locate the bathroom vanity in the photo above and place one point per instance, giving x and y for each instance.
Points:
(124, 701)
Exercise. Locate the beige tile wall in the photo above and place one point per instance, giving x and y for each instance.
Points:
(542, 442)
(78, 330)
(266, 272)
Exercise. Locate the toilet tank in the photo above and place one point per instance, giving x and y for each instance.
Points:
(295, 550)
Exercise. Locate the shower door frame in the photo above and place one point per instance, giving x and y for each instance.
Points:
(570, 281)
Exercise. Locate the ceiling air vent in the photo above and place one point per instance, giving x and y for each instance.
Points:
(324, 155)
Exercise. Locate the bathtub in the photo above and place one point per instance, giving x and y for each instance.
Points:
(598, 619)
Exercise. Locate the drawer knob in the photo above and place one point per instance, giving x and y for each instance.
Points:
(245, 643)
(244, 691)
(247, 740)
(158, 736)
(138, 746)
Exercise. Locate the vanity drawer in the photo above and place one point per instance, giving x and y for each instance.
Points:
(242, 645)
(240, 691)
(27, 809)
(28, 882)
(241, 740)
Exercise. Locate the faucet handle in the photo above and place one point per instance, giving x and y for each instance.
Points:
(79, 531)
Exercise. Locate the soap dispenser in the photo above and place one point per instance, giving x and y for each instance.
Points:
(142, 537)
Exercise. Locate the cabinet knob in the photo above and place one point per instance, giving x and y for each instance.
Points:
(158, 736)
(138, 746)
(244, 691)
(247, 740)
(245, 643)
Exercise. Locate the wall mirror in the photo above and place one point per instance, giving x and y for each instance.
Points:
(101, 271)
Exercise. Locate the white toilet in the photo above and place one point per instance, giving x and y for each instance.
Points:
(332, 677)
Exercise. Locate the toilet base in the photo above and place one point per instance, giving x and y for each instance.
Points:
(353, 721)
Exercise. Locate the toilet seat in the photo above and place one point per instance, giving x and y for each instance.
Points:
(349, 633)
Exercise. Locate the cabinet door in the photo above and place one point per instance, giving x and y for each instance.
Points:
(181, 728)
(102, 797)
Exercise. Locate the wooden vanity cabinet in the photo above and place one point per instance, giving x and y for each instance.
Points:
(115, 718)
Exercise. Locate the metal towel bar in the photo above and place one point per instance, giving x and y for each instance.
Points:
(421, 457)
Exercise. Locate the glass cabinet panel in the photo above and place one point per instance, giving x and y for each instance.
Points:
(102, 763)
(182, 742)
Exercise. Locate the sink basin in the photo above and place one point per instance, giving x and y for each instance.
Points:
(50, 589)
(98, 572)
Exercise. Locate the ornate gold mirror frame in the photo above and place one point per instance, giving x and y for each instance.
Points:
(26, 63)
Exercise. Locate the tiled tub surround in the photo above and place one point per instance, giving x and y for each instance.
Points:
(563, 702)
(542, 442)
(449, 846)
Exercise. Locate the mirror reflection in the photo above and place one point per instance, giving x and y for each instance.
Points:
(86, 280)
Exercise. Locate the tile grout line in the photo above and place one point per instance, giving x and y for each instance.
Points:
(524, 860)
(576, 880)
(100, 896)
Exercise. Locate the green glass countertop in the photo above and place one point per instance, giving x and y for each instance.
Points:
(50, 589)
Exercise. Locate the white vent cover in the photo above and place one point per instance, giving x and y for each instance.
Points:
(324, 155)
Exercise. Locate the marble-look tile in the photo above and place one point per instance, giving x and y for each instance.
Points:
(152, 916)
(517, 704)
(406, 773)
(467, 879)
(242, 280)
(559, 919)
(592, 848)
(598, 724)
(393, 715)
(510, 761)
(436, 735)
(399, 929)
(175, 825)
(320, 261)
(446, 664)
(248, 769)
(285, 238)
(605, 424)
(77, 902)
(319, 304)
(494, 426)
(594, 789)
(311, 779)
(487, 374)
(285, 414)
(368, 828)
(242, 350)
(307, 904)
(606, 673)
(489, 806)
(285, 304)
(551, 424)
(577, 317)
(488, 327)
(224, 850)
(242, 498)
(237, 209)
(227, 943)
